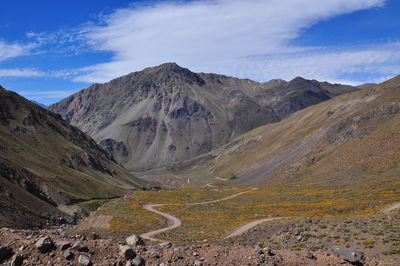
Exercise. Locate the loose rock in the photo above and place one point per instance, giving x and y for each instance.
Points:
(68, 255)
(126, 252)
(17, 260)
(310, 256)
(78, 245)
(84, 260)
(349, 255)
(165, 245)
(63, 245)
(5, 253)
(138, 261)
(134, 240)
(44, 244)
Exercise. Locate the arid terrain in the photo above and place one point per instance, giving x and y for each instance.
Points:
(317, 187)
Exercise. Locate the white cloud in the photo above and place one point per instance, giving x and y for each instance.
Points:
(16, 72)
(8, 51)
(370, 63)
(222, 36)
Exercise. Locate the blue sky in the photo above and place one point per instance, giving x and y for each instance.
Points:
(50, 49)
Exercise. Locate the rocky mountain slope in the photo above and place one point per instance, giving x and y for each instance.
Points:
(352, 139)
(45, 163)
(168, 114)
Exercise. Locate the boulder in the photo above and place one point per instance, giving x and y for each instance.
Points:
(349, 255)
(79, 246)
(63, 245)
(68, 255)
(17, 260)
(310, 256)
(126, 252)
(138, 261)
(44, 244)
(84, 261)
(165, 245)
(135, 240)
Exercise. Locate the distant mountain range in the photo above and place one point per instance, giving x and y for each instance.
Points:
(40, 104)
(168, 114)
(352, 141)
(47, 164)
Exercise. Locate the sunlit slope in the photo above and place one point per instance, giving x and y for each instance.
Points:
(353, 136)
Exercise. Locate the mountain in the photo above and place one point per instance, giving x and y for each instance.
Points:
(40, 104)
(46, 164)
(286, 98)
(168, 114)
(366, 85)
(353, 138)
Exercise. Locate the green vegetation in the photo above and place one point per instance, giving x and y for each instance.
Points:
(233, 177)
(93, 205)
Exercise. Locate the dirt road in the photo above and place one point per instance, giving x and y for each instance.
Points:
(392, 207)
(174, 222)
(244, 228)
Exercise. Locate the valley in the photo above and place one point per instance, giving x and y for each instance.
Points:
(292, 189)
(200, 133)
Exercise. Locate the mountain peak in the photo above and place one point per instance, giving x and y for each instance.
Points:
(168, 67)
(171, 71)
(298, 79)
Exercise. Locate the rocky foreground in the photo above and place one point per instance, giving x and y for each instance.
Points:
(56, 247)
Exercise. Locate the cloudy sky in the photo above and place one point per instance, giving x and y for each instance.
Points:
(50, 49)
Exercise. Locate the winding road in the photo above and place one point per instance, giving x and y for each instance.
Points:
(246, 227)
(174, 222)
(392, 207)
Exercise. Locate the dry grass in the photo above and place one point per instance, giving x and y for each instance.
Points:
(213, 221)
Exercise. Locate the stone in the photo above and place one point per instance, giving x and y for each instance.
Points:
(138, 261)
(5, 253)
(134, 240)
(63, 245)
(17, 260)
(84, 261)
(310, 256)
(268, 251)
(155, 256)
(349, 255)
(165, 245)
(126, 252)
(44, 244)
(79, 246)
(68, 255)
(198, 263)
(94, 236)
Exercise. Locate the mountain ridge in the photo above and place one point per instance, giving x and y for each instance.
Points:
(328, 140)
(166, 114)
(46, 163)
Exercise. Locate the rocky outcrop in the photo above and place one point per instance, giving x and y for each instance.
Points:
(350, 255)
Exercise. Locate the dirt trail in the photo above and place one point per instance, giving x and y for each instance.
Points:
(174, 222)
(246, 227)
(392, 207)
